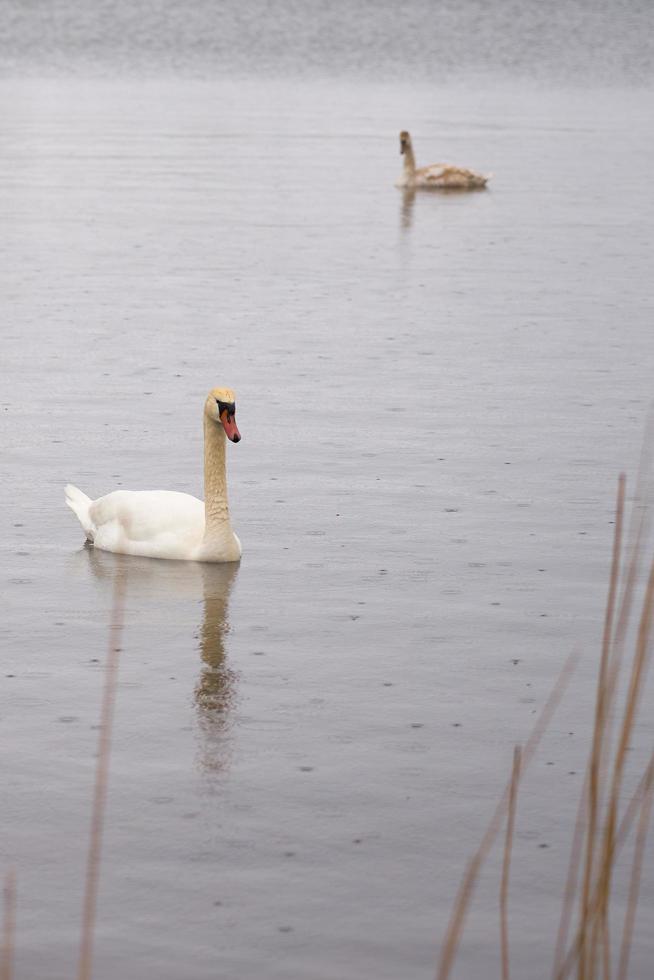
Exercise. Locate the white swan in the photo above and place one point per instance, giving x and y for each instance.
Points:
(437, 175)
(166, 524)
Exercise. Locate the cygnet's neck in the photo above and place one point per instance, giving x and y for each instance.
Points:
(409, 160)
(216, 508)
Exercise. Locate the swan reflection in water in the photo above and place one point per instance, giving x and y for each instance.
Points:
(408, 202)
(148, 580)
(215, 691)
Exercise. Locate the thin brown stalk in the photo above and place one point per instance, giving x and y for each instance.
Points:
(638, 524)
(636, 535)
(8, 927)
(638, 527)
(595, 767)
(606, 948)
(636, 868)
(571, 880)
(101, 780)
(636, 681)
(506, 864)
(630, 814)
(466, 888)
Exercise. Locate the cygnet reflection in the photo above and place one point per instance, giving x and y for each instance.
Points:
(408, 202)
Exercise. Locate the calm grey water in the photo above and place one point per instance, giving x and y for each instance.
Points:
(435, 395)
(577, 40)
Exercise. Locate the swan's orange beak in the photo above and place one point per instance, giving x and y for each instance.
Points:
(229, 425)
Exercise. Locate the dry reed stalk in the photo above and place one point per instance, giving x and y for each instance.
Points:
(606, 952)
(601, 717)
(636, 867)
(636, 535)
(571, 880)
(8, 927)
(466, 888)
(637, 532)
(101, 779)
(638, 525)
(638, 528)
(629, 816)
(636, 681)
(597, 868)
(506, 864)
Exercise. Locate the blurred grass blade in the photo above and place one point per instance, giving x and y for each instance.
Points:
(101, 779)
(466, 888)
(636, 683)
(636, 869)
(602, 705)
(506, 864)
(8, 927)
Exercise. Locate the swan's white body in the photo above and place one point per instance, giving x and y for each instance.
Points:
(164, 523)
(151, 523)
(443, 176)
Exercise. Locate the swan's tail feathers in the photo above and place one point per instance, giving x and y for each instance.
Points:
(79, 503)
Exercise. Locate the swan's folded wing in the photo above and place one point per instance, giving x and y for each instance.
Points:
(433, 172)
(144, 515)
(446, 175)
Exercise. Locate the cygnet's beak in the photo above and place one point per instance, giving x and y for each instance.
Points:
(229, 425)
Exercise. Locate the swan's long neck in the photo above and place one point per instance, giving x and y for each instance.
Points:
(409, 160)
(216, 508)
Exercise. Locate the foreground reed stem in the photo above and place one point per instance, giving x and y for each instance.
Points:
(101, 780)
(600, 829)
(636, 683)
(8, 927)
(636, 869)
(466, 888)
(632, 811)
(506, 863)
(602, 704)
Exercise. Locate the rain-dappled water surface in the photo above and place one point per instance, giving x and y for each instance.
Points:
(435, 396)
